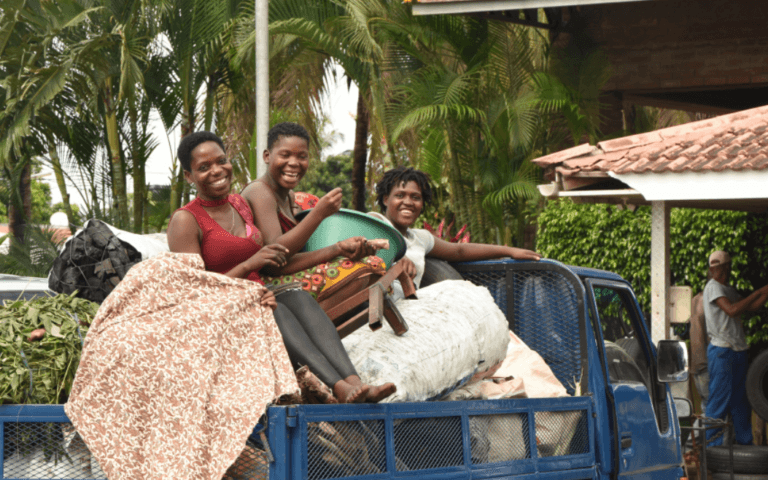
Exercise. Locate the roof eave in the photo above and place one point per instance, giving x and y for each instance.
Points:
(476, 6)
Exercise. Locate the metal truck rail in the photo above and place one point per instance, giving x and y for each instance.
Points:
(542, 438)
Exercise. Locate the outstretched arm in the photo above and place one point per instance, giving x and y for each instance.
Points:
(353, 248)
(264, 206)
(467, 252)
(750, 303)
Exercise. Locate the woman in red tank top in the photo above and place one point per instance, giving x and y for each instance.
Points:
(219, 226)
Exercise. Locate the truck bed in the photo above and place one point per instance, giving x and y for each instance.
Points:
(524, 438)
(545, 438)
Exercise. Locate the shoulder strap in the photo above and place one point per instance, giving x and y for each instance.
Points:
(242, 207)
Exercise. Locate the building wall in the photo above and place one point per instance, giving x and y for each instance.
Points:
(668, 45)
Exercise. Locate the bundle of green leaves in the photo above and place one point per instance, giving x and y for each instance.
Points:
(42, 371)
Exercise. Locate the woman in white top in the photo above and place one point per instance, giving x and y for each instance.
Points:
(456, 330)
(402, 194)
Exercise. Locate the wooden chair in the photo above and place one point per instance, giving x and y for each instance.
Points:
(346, 308)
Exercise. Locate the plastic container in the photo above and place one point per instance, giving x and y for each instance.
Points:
(351, 223)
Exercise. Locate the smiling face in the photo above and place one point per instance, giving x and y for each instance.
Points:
(404, 204)
(287, 161)
(210, 171)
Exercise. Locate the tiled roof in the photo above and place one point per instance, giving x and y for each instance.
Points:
(735, 142)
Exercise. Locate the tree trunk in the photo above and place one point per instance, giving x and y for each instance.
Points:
(458, 198)
(177, 187)
(20, 208)
(210, 96)
(139, 185)
(118, 172)
(360, 155)
(62, 184)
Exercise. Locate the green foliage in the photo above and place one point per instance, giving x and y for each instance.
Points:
(324, 176)
(604, 237)
(51, 362)
(41, 199)
(34, 257)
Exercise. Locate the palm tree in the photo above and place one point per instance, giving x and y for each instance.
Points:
(472, 108)
(29, 30)
(194, 30)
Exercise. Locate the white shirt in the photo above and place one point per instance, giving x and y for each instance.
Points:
(725, 331)
(419, 243)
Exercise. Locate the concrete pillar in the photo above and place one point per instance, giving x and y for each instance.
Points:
(262, 85)
(659, 271)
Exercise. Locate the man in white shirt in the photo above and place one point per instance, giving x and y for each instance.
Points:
(727, 350)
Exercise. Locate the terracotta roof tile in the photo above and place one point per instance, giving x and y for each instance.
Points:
(629, 142)
(561, 156)
(738, 141)
(743, 162)
(760, 162)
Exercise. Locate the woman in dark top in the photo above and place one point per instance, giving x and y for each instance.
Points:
(272, 200)
(219, 226)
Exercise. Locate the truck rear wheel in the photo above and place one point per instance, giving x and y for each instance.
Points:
(746, 459)
(757, 385)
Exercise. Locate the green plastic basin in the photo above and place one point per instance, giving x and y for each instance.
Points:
(351, 223)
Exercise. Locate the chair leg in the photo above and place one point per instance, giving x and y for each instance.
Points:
(375, 305)
(352, 324)
(395, 320)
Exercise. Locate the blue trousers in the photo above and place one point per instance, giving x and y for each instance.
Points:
(728, 392)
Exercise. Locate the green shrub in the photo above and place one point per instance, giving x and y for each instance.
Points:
(602, 236)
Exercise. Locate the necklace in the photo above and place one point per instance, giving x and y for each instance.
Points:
(232, 228)
(213, 203)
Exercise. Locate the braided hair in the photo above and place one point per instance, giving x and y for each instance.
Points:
(400, 176)
(286, 129)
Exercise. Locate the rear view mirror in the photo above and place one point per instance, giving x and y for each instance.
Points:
(673, 361)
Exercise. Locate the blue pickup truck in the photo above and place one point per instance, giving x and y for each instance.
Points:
(619, 422)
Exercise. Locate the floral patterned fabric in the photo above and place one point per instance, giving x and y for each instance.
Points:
(177, 368)
(323, 280)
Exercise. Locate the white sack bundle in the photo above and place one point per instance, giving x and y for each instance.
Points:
(455, 331)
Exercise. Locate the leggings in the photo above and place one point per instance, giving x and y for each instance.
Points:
(310, 337)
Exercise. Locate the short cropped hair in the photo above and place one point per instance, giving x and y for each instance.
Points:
(398, 176)
(286, 129)
(188, 143)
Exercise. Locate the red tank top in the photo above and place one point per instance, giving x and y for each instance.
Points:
(222, 251)
(285, 223)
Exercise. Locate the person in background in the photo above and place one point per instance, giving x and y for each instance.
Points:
(699, 342)
(727, 350)
(219, 227)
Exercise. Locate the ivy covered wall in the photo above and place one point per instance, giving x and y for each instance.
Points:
(604, 237)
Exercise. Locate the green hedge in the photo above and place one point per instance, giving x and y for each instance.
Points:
(604, 237)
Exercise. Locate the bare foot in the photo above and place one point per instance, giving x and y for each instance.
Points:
(348, 393)
(380, 392)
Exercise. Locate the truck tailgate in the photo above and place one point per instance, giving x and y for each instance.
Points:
(442, 440)
(469, 439)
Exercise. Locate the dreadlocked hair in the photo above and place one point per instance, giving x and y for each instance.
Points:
(286, 129)
(400, 176)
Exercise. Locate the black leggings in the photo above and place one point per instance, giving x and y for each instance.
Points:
(311, 338)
